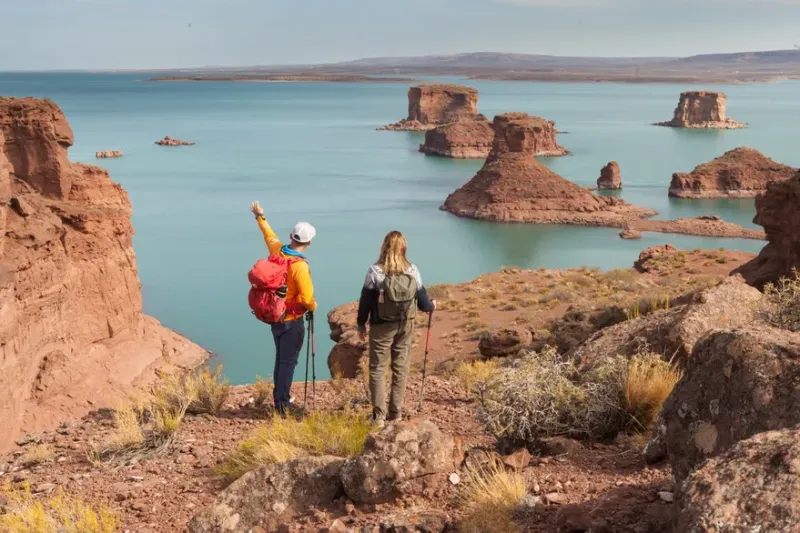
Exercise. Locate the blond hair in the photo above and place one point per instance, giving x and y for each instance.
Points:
(393, 254)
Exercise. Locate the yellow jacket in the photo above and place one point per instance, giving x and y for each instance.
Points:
(299, 289)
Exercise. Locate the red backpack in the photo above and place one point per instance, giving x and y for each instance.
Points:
(267, 296)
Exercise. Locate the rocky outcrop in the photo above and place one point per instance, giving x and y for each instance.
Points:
(72, 331)
(465, 139)
(505, 342)
(674, 332)
(630, 234)
(739, 173)
(751, 487)
(108, 154)
(736, 383)
(169, 141)
(432, 105)
(405, 458)
(346, 355)
(702, 109)
(610, 177)
(272, 495)
(777, 212)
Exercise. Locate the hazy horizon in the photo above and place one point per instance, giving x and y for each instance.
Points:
(192, 34)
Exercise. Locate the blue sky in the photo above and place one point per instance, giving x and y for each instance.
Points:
(142, 34)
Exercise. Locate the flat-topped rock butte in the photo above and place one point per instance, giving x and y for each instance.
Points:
(739, 173)
(610, 177)
(472, 139)
(169, 141)
(108, 154)
(432, 105)
(513, 187)
(72, 330)
(702, 109)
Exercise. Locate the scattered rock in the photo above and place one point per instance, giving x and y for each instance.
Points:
(666, 496)
(505, 342)
(415, 520)
(169, 141)
(556, 498)
(574, 519)
(736, 383)
(21, 206)
(519, 460)
(44, 488)
(454, 478)
(337, 527)
(432, 105)
(739, 173)
(272, 494)
(560, 446)
(478, 459)
(702, 109)
(630, 234)
(404, 458)
(751, 487)
(108, 154)
(610, 177)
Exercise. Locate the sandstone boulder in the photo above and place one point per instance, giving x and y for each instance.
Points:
(71, 326)
(466, 139)
(169, 141)
(108, 154)
(649, 256)
(777, 212)
(272, 495)
(702, 109)
(630, 234)
(751, 487)
(505, 342)
(404, 458)
(736, 383)
(346, 355)
(610, 177)
(675, 332)
(738, 173)
(432, 105)
(513, 187)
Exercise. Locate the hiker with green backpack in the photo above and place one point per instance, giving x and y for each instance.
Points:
(391, 295)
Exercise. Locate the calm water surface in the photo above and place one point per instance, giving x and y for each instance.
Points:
(310, 151)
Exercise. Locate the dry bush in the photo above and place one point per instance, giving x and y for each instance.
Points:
(477, 375)
(57, 514)
(781, 304)
(37, 454)
(439, 292)
(648, 382)
(211, 391)
(540, 395)
(262, 390)
(340, 433)
(491, 497)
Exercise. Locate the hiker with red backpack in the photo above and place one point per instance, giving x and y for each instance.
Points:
(391, 295)
(281, 295)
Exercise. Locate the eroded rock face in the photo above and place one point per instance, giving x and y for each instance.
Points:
(169, 141)
(736, 383)
(702, 109)
(513, 187)
(739, 173)
(404, 458)
(610, 177)
(432, 105)
(467, 139)
(272, 495)
(346, 355)
(71, 321)
(777, 212)
(751, 487)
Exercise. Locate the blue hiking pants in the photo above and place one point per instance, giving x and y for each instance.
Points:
(289, 338)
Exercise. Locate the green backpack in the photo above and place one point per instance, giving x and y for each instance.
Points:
(397, 298)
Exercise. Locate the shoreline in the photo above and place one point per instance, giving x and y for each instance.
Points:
(282, 78)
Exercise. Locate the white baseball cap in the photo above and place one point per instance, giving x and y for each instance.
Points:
(303, 232)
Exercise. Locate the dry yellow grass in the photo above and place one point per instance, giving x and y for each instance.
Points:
(262, 391)
(491, 497)
(648, 382)
(211, 391)
(333, 433)
(57, 514)
(37, 454)
(477, 373)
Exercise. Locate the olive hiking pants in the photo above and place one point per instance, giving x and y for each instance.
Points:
(389, 343)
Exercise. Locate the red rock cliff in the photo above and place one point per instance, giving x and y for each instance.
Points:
(72, 331)
(777, 212)
(702, 109)
(432, 105)
(610, 177)
(739, 173)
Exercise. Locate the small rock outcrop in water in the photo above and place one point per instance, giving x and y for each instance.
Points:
(752, 487)
(610, 177)
(776, 212)
(702, 109)
(108, 154)
(629, 234)
(739, 173)
(71, 326)
(169, 141)
(432, 105)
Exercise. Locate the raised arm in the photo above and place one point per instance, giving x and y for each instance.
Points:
(274, 244)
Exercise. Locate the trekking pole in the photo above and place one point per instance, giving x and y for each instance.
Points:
(313, 366)
(425, 361)
(305, 388)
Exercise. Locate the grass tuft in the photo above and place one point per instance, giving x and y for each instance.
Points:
(211, 391)
(781, 306)
(477, 375)
(648, 382)
(37, 454)
(262, 391)
(492, 496)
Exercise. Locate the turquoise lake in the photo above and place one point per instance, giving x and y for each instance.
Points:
(310, 151)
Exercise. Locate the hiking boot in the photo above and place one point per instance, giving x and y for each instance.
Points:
(378, 422)
(394, 418)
